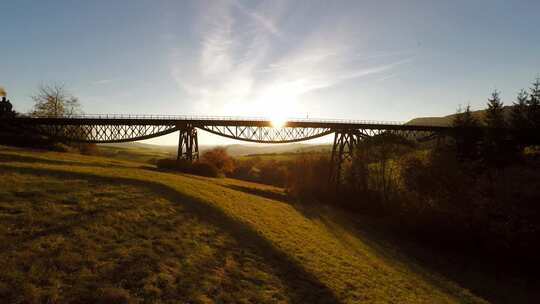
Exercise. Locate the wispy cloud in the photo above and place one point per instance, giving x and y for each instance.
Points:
(104, 81)
(244, 68)
(263, 21)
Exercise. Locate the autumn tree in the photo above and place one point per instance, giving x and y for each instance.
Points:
(219, 158)
(55, 101)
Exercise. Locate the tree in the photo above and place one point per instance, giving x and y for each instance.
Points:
(518, 115)
(55, 101)
(220, 159)
(519, 122)
(497, 149)
(465, 118)
(467, 133)
(533, 104)
(494, 113)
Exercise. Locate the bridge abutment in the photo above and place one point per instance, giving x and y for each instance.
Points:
(188, 143)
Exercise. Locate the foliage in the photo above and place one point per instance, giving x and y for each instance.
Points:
(494, 113)
(308, 177)
(466, 133)
(533, 105)
(446, 201)
(270, 169)
(89, 149)
(465, 119)
(518, 116)
(197, 168)
(55, 101)
(220, 159)
(213, 163)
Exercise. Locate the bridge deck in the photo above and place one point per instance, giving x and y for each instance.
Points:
(200, 121)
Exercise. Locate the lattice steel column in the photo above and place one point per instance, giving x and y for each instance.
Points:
(188, 144)
(345, 142)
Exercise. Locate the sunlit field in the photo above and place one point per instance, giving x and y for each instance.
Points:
(79, 228)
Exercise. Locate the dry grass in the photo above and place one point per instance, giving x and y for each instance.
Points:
(87, 229)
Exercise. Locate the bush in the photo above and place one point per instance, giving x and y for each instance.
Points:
(308, 177)
(114, 295)
(88, 149)
(244, 169)
(220, 159)
(197, 168)
(273, 172)
(60, 147)
(204, 169)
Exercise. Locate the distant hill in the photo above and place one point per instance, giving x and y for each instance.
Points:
(447, 120)
(242, 150)
(233, 150)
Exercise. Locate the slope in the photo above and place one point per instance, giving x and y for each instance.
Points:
(78, 227)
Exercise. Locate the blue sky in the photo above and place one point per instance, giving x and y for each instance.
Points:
(375, 60)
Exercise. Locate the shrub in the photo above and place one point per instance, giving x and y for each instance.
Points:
(308, 177)
(204, 169)
(244, 169)
(173, 164)
(115, 295)
(60, 147)
(198, 168)
(220, 159)
(273, 172)
(88, 149)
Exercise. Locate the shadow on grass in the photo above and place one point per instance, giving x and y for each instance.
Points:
(302, 286)
(7, 158)
(482, 278)
(282, 197)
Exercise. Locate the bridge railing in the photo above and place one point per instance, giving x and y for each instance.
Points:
(216, 118)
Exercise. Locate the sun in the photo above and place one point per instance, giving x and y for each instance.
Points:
(278, 121)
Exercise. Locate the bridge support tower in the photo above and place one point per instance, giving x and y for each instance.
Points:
(345, 143)
(188, 143)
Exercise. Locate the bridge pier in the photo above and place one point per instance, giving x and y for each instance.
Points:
(188, 143)
(345, 143)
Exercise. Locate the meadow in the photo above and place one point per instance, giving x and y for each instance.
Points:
(80, 229)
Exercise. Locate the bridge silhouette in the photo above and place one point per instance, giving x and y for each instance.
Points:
(115, 128)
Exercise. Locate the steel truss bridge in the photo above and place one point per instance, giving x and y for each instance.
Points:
(125, 128)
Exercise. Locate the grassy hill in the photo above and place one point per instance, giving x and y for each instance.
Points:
(88, 229)
(447, 120)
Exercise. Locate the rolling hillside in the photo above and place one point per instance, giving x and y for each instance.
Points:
(447, 120)
(89, 229)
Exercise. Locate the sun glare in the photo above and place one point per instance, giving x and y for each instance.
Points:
(278, 122)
